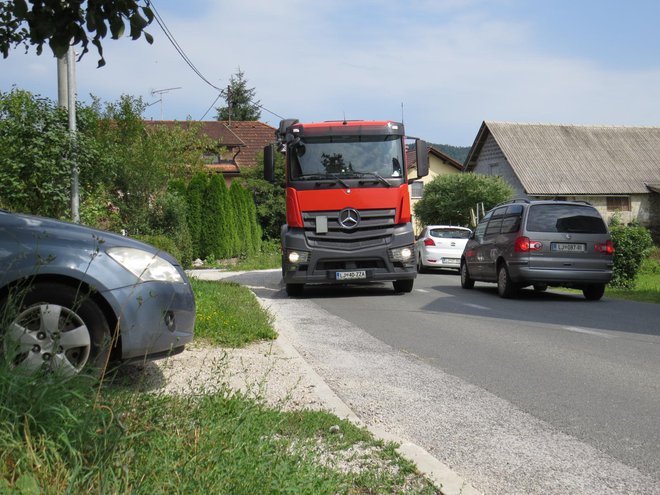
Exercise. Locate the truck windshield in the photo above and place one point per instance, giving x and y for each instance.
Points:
(347, 157)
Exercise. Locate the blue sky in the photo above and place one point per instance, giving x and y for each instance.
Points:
(450, 63)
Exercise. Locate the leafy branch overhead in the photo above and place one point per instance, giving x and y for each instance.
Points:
(62, 23)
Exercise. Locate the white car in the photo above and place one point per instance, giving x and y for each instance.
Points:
(441, 246)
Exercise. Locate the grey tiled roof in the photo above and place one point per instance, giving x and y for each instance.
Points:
(575, 159)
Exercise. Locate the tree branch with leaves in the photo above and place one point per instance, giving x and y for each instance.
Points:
(60, 24)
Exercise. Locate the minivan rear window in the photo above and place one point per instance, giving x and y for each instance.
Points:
(565, 219)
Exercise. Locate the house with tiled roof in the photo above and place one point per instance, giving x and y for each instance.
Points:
(615, 168)
(241, 142)
(439, 164)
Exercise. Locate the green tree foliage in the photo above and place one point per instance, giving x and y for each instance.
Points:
(195, 207)
(241, 219)
(631, 246)
(219, 231)
(145, 159)
(269, 199)
(60, 24)
(448, 198)
(240, 100)
(458, 153)
(36, 151)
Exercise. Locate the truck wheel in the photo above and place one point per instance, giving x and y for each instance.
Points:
(294, 290)
(403, 285)
(593, 292)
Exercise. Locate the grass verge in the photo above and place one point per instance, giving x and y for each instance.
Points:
(61, 435)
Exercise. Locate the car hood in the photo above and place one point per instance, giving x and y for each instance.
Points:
(31, 229)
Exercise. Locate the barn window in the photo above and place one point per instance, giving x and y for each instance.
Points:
(618, 203)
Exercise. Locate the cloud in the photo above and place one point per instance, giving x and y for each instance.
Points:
(451, 64)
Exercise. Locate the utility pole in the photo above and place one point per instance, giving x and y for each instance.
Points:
(71, 100)
(66, 98)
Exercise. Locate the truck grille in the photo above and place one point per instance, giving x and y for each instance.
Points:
(375, 228)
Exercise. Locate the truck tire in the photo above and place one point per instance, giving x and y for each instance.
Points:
(294, 290)
(403, 286)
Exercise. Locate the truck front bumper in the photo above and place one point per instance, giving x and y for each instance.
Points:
(330, 265)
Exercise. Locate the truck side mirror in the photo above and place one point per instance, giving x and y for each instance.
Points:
(269, 163)
(422, 155)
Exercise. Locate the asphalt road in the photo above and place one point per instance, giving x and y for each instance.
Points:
(592, 370)
(542, 394)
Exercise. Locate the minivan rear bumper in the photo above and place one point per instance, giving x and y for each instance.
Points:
(559, 276)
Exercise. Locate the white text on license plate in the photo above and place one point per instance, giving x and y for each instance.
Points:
(567, 246)
(353, 275)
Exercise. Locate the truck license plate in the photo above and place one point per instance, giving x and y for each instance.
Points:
(568, 247)
(353, 275)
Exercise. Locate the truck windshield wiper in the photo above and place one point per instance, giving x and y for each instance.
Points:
(379, 177)
(322, 177)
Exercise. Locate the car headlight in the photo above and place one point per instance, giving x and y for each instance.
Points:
(145, 265)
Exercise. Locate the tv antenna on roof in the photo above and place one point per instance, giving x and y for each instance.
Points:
(160, 93)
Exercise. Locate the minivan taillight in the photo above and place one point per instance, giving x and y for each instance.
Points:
(429, 242)
(605, 248)
(524, 245)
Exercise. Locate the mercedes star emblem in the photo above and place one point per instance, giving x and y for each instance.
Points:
(349, 218)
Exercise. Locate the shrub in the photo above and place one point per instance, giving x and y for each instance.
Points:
(631, 246)
(448, 198)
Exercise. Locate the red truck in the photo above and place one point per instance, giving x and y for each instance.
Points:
(348, 216)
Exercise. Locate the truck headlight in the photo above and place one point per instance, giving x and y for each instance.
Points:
(297, 257)
(403, 254)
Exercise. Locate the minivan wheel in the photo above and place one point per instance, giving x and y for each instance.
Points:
(505, 286)
(466, 280)
(593, 292)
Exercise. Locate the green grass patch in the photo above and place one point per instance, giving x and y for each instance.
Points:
(229, 314)
(647, 283)
(269, 257)
(64, 436)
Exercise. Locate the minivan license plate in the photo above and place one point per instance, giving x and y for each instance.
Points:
(568, 247)
(353, 275)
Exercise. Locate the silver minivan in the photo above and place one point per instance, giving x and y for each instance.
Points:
(540, 243)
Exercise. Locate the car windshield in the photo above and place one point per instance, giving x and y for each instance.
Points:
(565, 219)
(450, 233)
(348, 157)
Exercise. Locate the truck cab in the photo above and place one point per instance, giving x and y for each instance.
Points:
(347, 203)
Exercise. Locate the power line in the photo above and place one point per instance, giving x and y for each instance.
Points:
(175, 44)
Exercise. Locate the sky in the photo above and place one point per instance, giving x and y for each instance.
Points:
(441, 66)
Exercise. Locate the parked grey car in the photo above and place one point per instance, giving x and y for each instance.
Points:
(540, 243)
(72, 297)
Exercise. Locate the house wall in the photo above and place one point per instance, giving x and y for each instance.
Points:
(491, 161)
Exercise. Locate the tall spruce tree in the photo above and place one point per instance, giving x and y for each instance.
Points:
(240, 100)
(195, 198)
